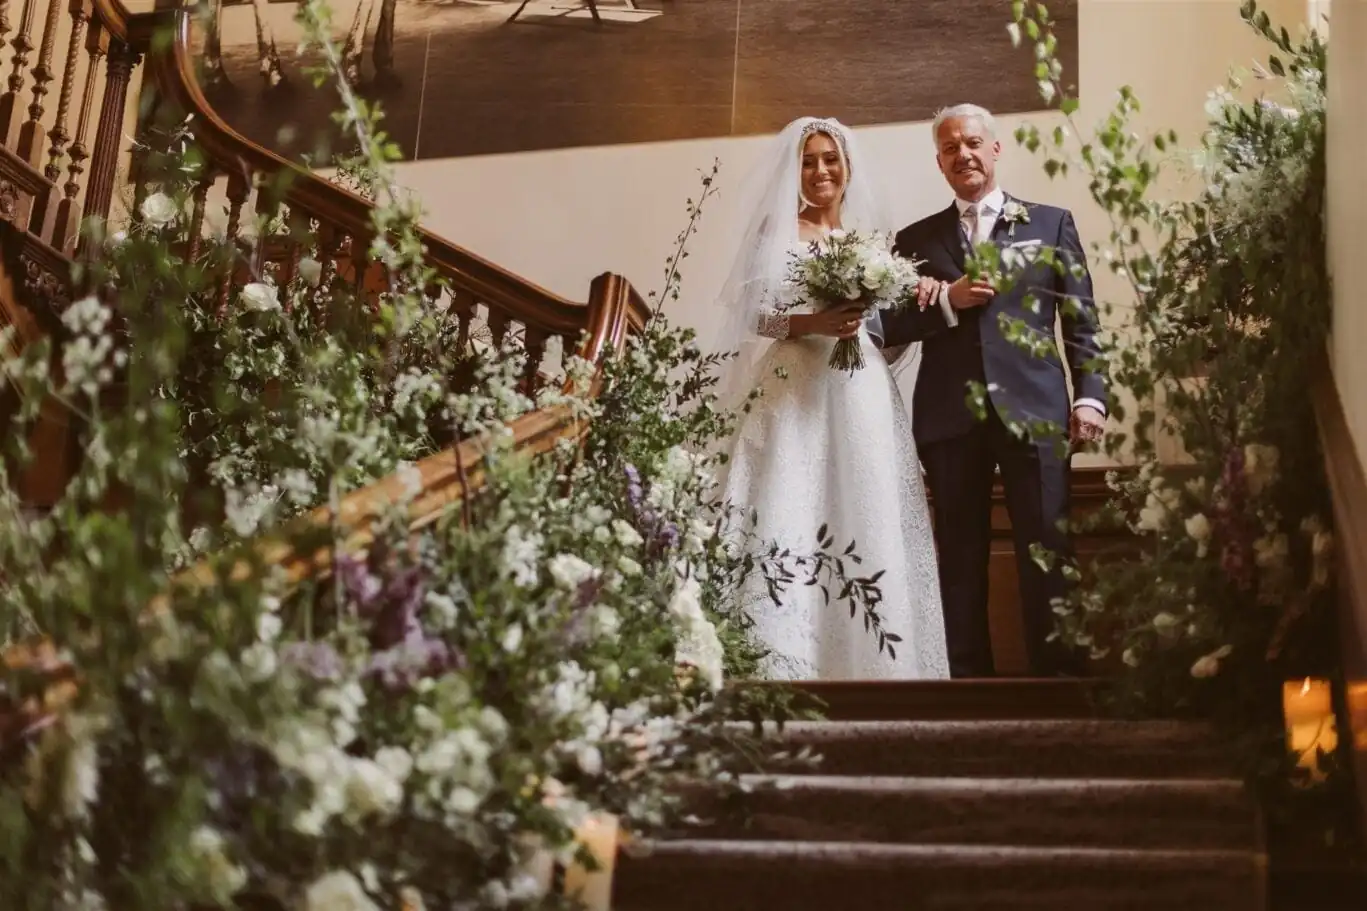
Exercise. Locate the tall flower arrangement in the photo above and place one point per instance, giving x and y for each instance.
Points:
(1224, 314)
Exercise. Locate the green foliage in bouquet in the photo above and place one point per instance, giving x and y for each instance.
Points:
(851, 267)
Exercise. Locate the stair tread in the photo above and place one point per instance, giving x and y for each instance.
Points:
(1002, 725)
(989, 784)
(838, 851)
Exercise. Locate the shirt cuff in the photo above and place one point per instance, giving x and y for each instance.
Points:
(951, 318)
(1090, 403)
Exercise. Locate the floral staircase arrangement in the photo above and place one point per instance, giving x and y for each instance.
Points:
(346, 610)
(340, 608)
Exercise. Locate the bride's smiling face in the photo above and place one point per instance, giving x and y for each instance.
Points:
(823, 171)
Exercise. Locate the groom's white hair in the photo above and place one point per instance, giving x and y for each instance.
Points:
(962, 110)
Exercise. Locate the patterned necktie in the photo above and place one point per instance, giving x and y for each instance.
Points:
(970, 223)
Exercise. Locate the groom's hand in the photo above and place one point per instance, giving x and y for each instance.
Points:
(966, 293)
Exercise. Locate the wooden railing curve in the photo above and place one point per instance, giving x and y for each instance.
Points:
(176, 77)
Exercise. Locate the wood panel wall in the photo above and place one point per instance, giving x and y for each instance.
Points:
(1348, 485)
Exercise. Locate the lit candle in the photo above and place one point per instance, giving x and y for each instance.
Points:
(598, 834)
(1309, 711)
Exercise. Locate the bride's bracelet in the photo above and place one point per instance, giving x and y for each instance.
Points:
(773, 325)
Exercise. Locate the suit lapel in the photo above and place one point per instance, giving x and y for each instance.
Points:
(952, 236)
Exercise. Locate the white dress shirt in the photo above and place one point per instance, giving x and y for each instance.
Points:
(987, 211)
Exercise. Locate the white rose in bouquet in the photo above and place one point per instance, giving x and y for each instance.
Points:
(849, 266)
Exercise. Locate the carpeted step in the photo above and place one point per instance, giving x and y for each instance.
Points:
(818, 876)
(943, 700)
(1115, 813)
(1013, 749)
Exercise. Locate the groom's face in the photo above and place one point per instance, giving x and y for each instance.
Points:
(967, 155)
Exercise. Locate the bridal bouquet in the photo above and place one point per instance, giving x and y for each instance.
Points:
(846, 267)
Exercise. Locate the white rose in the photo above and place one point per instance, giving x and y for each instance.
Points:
(310, 271)
(1198, 527)
(372, 790)
(625, 534)
(159, 209)
(512, 638)
(605, 621)
(258, 662)
(268, 626)
(337, 891)
(1209, 665)
(260, 297)
(570, 571)
(590, 760)
(1166, 623)
(686, 604)
(397, 761)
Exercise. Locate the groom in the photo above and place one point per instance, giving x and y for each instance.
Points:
(966, 341)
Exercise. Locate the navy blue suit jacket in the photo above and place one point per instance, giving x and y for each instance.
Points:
(1021, 385)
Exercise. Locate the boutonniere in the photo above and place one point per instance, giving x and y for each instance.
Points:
(1014, 213)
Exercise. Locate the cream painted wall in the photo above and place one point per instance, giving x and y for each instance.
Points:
(1348, 213)
(560, 217)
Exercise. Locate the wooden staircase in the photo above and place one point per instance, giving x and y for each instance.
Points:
(997, 794)
(1002, 794)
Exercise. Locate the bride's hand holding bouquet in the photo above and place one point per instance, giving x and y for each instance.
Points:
(849, 276)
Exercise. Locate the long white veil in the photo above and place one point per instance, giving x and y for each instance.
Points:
(770, 200)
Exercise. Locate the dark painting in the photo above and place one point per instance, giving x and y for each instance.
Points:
(472, 77)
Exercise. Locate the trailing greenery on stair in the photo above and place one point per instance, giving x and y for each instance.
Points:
(1223, 318)
(411, 725)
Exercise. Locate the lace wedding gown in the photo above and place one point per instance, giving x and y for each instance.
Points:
(824, 446)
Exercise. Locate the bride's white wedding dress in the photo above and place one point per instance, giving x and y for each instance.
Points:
(823, 446)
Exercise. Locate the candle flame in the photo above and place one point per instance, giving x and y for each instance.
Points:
(1305, 687)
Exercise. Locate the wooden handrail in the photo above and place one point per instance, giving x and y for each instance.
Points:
(176, 78)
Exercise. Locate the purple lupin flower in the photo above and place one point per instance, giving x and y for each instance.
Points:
(390, 596)
(661, 535)
(403, 665)
(318, 660)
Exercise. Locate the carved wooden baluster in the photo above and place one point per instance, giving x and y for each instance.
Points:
(4, 21)
(80, 14)
(104, 161)
(360, 262)
(10, 101)
(69, 210)
(498, 327)
(238, 189)
(331, 240)
(31, 132)
(535, 341)
(198, 196)
(463, 306)
(297, 232)
(267, 205)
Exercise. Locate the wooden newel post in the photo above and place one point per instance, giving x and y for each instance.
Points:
(104, 161)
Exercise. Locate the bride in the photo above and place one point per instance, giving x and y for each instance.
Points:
(819, 445)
